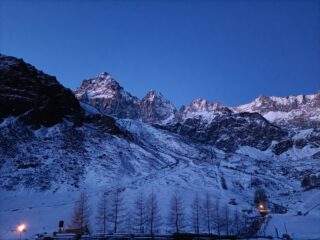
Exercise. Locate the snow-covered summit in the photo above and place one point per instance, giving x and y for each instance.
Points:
(202, 108)
(297, 111)
(106, 94)
(101, 86)
(203, 105)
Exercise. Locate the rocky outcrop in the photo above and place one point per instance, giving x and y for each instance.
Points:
(228, 131)
(34, 97)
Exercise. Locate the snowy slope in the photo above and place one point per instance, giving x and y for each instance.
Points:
(305, 226)
(297, 111)
(149, 158)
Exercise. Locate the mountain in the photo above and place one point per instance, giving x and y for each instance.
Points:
(144, 146)
(33, 96)
(110, 98)
(156, 109)
(294, 111)
(215, 124)
(105, 94)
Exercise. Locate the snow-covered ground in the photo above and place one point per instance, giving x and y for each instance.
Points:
(305, 226)
(149, 159)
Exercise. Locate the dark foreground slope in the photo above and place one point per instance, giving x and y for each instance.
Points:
(33, 96)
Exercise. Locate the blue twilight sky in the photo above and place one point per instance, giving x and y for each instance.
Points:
(226, 51)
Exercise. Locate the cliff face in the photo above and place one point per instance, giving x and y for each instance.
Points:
(33, 96)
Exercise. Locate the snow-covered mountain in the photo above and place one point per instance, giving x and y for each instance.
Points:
(144, 145)
(201, 108)
(209, 122)
(105, 94)
(295, 111)
(110, 98)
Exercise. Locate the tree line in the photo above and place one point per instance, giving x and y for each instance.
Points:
(144, 216)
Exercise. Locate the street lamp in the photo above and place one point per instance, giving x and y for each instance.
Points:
(21, 228)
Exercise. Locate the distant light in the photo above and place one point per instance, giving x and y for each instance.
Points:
(261, 206)
(21, 228)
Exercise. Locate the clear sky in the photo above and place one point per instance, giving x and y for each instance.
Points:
(226, 51)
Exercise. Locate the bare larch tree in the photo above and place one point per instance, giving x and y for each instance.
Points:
(176, 217)
(217, 218)
(227, 220)
(195, 214)
(207, 209)
(102, 213)
(81, 214)
(153, 214)
(139, 213)
(116, 213)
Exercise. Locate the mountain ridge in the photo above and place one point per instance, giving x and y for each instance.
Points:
(290, 111)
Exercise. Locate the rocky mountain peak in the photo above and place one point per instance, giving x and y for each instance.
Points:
(156, 109)
(104, 78)
(104, 75)
(152, 94)
(203, 110)
(105, 93)
(203, 105)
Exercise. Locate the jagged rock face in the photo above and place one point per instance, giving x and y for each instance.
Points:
(156, 109)
(201, 108)
(202, 105)
(33, 96)
(216, 124)
(295, 111)
(306, 138)
(105, 94)
(228, 131)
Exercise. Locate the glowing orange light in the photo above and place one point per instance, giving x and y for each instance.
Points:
(261, 206)
(21, 228)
